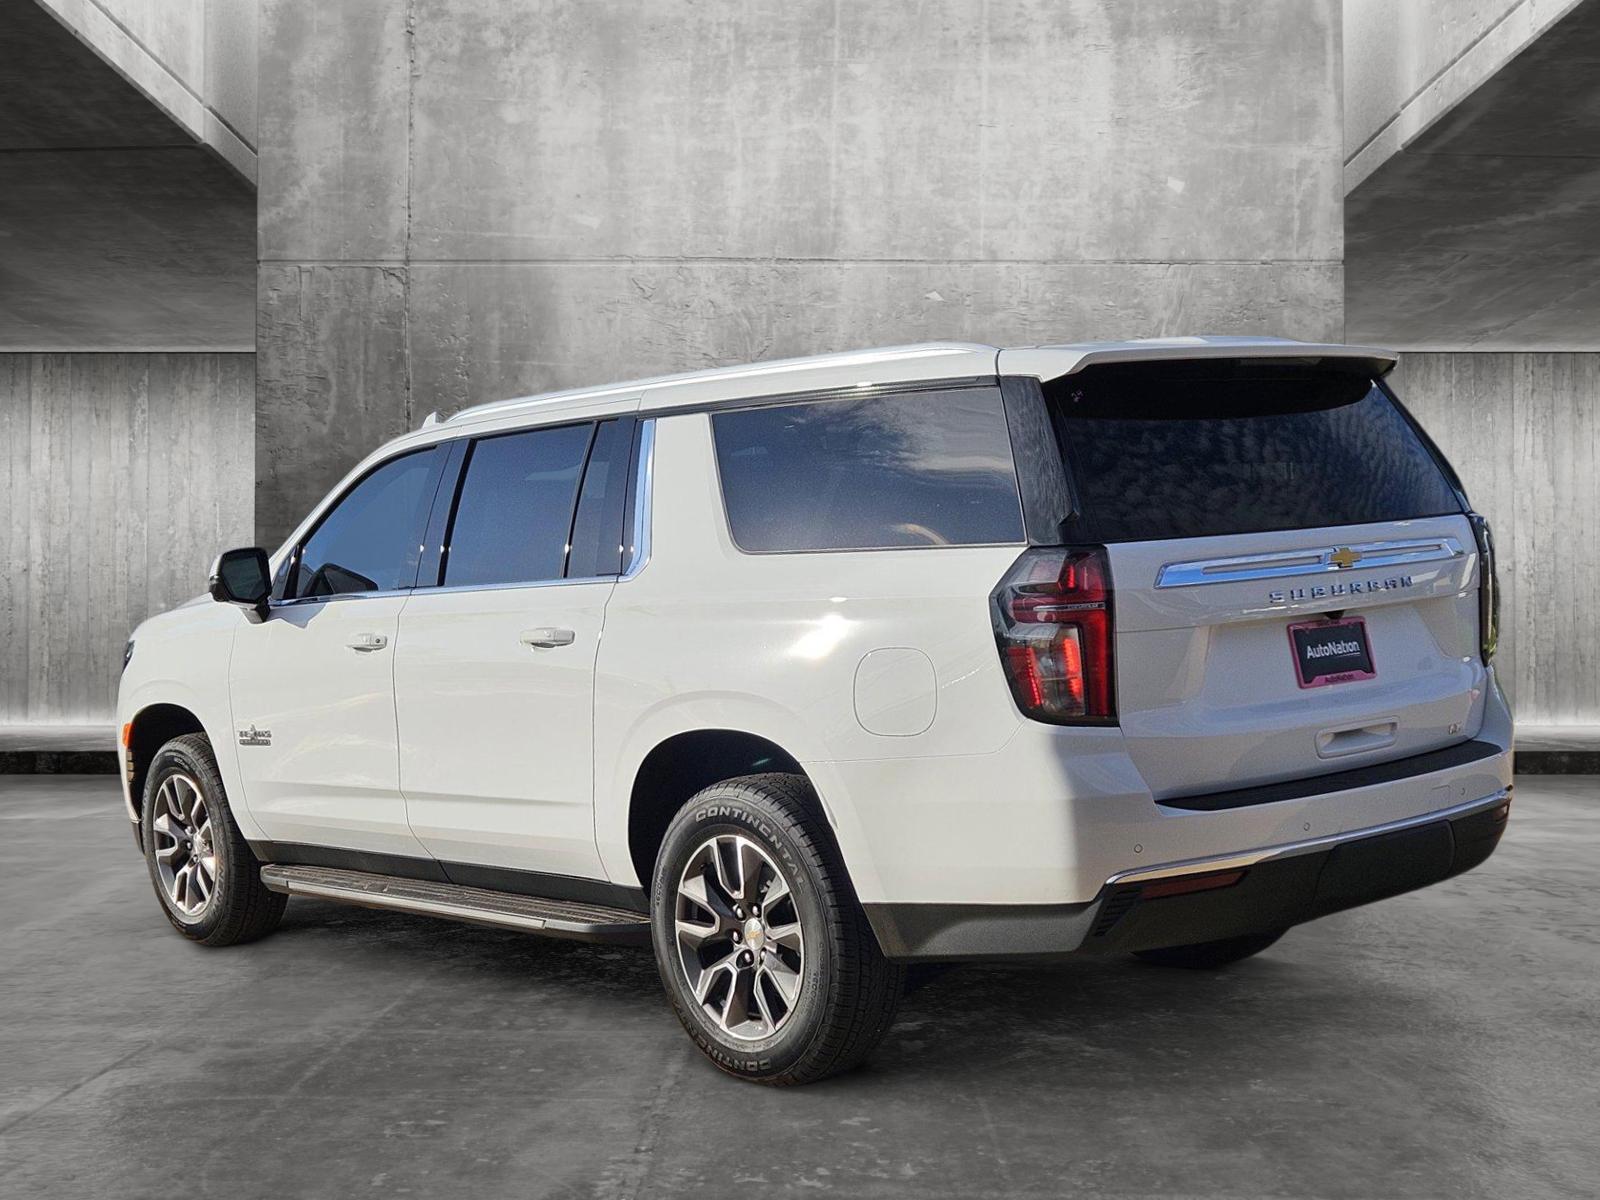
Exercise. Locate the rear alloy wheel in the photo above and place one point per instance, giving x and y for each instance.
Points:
(740, 942)
(763, 949)
(208, 881)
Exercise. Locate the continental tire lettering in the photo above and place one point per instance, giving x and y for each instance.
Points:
(718, 812)
(738, 1064)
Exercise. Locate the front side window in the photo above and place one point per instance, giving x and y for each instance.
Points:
(514, 510)
(929, 468)
(370, 540)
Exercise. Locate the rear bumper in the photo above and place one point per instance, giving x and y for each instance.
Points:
(1204, 900)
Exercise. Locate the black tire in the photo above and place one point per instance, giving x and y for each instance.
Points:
(848, 991)
(240, 908)
(1208, 956)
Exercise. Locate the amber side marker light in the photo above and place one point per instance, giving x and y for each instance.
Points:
(1183, 885)
(127, 752)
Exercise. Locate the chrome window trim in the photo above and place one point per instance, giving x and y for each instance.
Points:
(1316, 561)
(640, 559)
(432, 591)
(643, 499)
(512, 585)
(1250, 858)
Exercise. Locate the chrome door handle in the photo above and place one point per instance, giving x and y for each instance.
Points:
(368, 641)
(548, 637)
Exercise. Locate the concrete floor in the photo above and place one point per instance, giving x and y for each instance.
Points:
(1445, 1044)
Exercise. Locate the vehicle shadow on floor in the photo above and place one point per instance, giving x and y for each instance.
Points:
(967, 1021)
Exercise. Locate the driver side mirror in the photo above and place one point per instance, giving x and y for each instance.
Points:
(243, 577)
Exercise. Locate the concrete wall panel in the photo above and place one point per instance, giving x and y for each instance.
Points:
(121, 477)
(124, 249)
(333, 129)
(1481, 235)
(231, 49)
(56, 93)
(192, 59)
(518, 196)
(1409, 62)
(1018, 130)
(332, 382)
(1523, 430)
(484, 331)
(117, 232)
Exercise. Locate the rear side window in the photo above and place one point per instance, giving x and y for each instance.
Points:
(597, 528)
(914, 469)
(370, 540)
(514, 507)
(1181, 450)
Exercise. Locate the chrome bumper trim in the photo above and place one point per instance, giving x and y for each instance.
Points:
(1250, 858)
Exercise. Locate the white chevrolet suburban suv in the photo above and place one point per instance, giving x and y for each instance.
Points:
(804, 671)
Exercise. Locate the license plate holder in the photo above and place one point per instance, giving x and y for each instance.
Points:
(1328, 652)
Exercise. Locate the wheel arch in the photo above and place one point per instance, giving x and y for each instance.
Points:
(152, 727)
(680, 765)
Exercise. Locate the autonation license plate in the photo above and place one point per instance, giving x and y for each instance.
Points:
(1331, 651)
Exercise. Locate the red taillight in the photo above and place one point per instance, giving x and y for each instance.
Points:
(1052, 616)
(1184, 885)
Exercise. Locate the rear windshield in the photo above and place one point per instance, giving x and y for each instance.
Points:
(1180, 450)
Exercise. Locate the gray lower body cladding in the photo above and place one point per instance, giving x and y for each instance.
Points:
(1285, 887)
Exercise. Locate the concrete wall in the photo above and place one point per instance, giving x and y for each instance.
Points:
(121, 476)
(117, 231)
(127, 289)
(469, 199)
(1480, 235)
(1524, 432)
(1409, 62)
(195, 60)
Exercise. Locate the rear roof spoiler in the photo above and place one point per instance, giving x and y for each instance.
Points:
(1052, 362)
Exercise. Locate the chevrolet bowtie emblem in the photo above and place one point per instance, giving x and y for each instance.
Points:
(1345, 557)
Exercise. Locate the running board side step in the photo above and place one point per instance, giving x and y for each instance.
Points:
(480, 906)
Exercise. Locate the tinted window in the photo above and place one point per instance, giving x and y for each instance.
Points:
(597, 529)
(1197, 449)
(371, 539)
(918, 469)
(515, 507)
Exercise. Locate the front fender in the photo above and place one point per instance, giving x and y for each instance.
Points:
(182, 659)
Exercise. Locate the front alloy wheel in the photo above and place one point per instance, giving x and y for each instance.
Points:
(740, 942)
(186, 856)
(203, 871)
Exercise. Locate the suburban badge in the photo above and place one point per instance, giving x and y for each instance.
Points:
(1332, 591)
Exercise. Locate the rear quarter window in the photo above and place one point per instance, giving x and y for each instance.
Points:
(1181, 450)
(926, 468)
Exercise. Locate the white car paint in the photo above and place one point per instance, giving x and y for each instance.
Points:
(496, 734)
(331, 774)
(938, 789)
